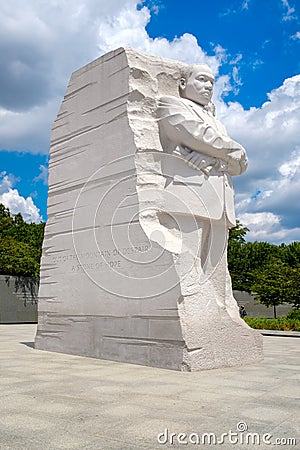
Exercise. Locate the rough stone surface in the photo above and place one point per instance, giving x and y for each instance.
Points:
(118, 280)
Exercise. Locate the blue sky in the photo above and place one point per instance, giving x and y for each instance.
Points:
(253, 46)
(260, 32)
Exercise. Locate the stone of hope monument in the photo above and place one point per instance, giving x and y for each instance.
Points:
(140, 203)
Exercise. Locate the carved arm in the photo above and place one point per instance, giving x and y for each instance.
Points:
(183, 127)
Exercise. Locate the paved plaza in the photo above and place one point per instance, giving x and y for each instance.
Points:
(56, 401)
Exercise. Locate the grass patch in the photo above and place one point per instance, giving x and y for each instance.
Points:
(281, 324)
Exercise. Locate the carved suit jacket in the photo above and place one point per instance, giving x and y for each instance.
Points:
(206, 191)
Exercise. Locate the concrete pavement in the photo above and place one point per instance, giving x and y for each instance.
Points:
(56, 401)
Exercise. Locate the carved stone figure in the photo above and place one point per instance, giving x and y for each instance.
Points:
(189, 214)
(140, 201)
(189, 129)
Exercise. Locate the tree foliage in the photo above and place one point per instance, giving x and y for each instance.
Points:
(271, 284)
(20, 245)
(269, 271)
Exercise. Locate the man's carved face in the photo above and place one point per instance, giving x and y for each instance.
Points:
(198, 87)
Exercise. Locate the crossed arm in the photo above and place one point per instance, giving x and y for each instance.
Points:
(184, 128)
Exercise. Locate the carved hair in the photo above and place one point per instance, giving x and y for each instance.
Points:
(187, 71)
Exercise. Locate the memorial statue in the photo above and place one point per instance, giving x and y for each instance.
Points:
(140, 202)
(189, 130)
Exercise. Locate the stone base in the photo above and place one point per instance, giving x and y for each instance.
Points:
(129, 340)
(217, 346)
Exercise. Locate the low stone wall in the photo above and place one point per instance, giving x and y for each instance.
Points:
(255, 309)
(18, 299)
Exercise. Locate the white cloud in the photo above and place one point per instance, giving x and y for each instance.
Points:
(256, 63)
(236, 59)
(289, 13)
(241, 7)
(6, 182)
(268, 194)
(296, 35)
(42, 43)
(28, 130)
(11, 198)
(260, 224)
(270, 133)
(236, 78)
(128, 28)
(43, 175)
(290, 168)
(245, 4)
(267, 227)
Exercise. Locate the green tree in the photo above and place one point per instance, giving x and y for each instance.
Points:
(272, 272)
(236, 261)
(17, 258)
(245, 258)
(290, 253)
(6, 221)
(28, 233)
(20, 244)
(276, 283)
(292, 287)
(237, 234)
